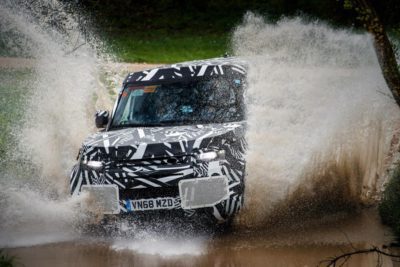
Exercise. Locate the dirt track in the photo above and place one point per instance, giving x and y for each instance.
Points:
(132, 67)
(23, 63)
(16, 63)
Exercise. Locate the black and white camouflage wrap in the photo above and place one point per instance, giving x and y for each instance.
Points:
(149, 162)
(188, 71)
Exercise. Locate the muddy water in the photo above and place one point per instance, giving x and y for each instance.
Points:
(83, 254)
(305, 245)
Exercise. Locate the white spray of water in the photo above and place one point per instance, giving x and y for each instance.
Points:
(35, 206)
(33, 219)
(156, 244)
(311, 88)
(57, 118)
(316, 96)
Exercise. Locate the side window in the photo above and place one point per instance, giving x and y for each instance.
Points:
(127, 111)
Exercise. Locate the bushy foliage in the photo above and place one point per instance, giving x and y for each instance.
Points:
(200, 16)
(389, 208)
(6, 260)
(219, 15)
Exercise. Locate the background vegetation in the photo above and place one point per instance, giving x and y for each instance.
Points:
(6, 260)
(13, 90)
(174, 30)
(390, 206)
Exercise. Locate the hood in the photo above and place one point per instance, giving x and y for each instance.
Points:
(156, 142)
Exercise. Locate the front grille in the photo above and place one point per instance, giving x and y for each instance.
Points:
(148, 173)
(155, 161)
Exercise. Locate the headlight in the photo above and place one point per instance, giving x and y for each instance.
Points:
(95, 165)
(210, 156)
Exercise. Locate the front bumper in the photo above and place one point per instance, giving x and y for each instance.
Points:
(214, 187)
(193, 194)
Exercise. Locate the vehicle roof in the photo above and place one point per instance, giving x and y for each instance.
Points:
(188, 70)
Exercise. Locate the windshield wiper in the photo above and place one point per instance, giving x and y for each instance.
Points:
(179, 122)
(137, 125)
(161, 123)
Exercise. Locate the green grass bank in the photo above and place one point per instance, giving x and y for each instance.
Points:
(165, 48)
(14, 91)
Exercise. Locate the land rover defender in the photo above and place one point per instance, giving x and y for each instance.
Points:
(174, 142)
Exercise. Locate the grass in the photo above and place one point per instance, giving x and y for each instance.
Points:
(164, 48)
(389, 208)
(13, 90)
(158, 47)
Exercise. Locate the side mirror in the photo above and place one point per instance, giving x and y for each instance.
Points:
(101, 118)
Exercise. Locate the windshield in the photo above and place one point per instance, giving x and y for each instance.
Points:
(195, 102)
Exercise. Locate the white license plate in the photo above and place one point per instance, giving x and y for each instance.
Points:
(151, 204)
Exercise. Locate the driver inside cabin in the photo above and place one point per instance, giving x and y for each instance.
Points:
(205, 101)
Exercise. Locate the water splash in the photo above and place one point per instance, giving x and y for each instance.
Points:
(319, 120)
(60, 99)
(155, 244)
(33, 219)
(320, 117)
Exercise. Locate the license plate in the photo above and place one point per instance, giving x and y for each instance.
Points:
(150, 204)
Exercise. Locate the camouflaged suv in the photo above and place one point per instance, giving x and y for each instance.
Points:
(174, 142)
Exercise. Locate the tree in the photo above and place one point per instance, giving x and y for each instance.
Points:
(370, 20)
(343, 258)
